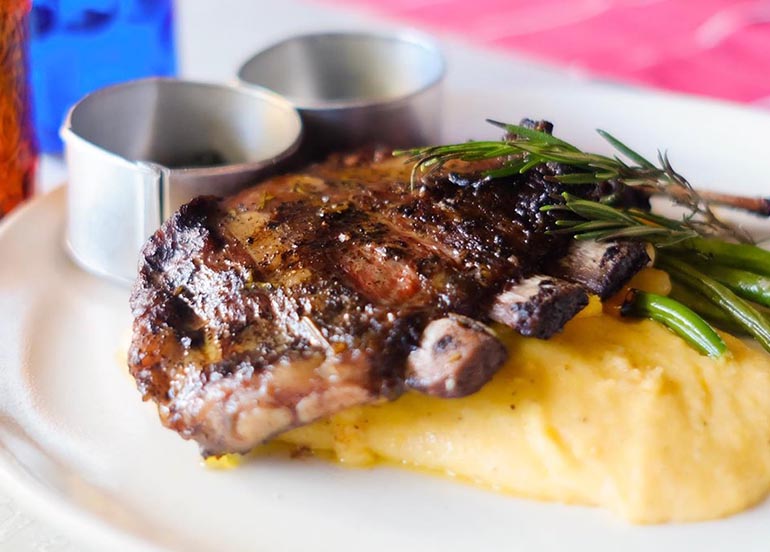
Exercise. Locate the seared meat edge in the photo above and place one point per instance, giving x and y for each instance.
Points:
(315, 292)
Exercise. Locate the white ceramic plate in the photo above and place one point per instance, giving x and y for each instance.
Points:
(79, 446)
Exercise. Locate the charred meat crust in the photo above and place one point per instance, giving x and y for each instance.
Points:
(601, 267)
(210, 350)
(538, 306)
(340, 285)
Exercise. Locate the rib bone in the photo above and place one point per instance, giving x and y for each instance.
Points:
(602, 268)
(456, 357)
(538, 306)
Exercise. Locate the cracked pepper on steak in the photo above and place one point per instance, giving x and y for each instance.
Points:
(345, 284)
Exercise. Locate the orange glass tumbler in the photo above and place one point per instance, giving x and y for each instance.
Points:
(18, 151)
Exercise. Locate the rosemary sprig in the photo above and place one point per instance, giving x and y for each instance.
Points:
(704, 268)
(601, 222)
(703, 265)
(524, 148)
(705, 287)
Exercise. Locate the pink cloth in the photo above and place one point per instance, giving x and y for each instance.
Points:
(718, 48)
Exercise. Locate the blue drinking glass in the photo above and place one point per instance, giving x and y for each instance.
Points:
(78, 46)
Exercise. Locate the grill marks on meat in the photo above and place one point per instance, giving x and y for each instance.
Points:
(313, 292)
(230, 358)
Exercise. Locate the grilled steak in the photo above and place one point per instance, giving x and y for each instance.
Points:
(343, 285)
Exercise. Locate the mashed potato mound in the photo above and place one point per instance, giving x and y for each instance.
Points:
(614, 413)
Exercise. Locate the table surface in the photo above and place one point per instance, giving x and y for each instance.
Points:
(214, 38)
(677, 45)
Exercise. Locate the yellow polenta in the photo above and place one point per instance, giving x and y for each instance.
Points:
(620, 414)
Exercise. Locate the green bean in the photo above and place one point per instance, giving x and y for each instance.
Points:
(682, 320)
(708, 310)
(748, 285)
(739, 310)
(738, 255)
